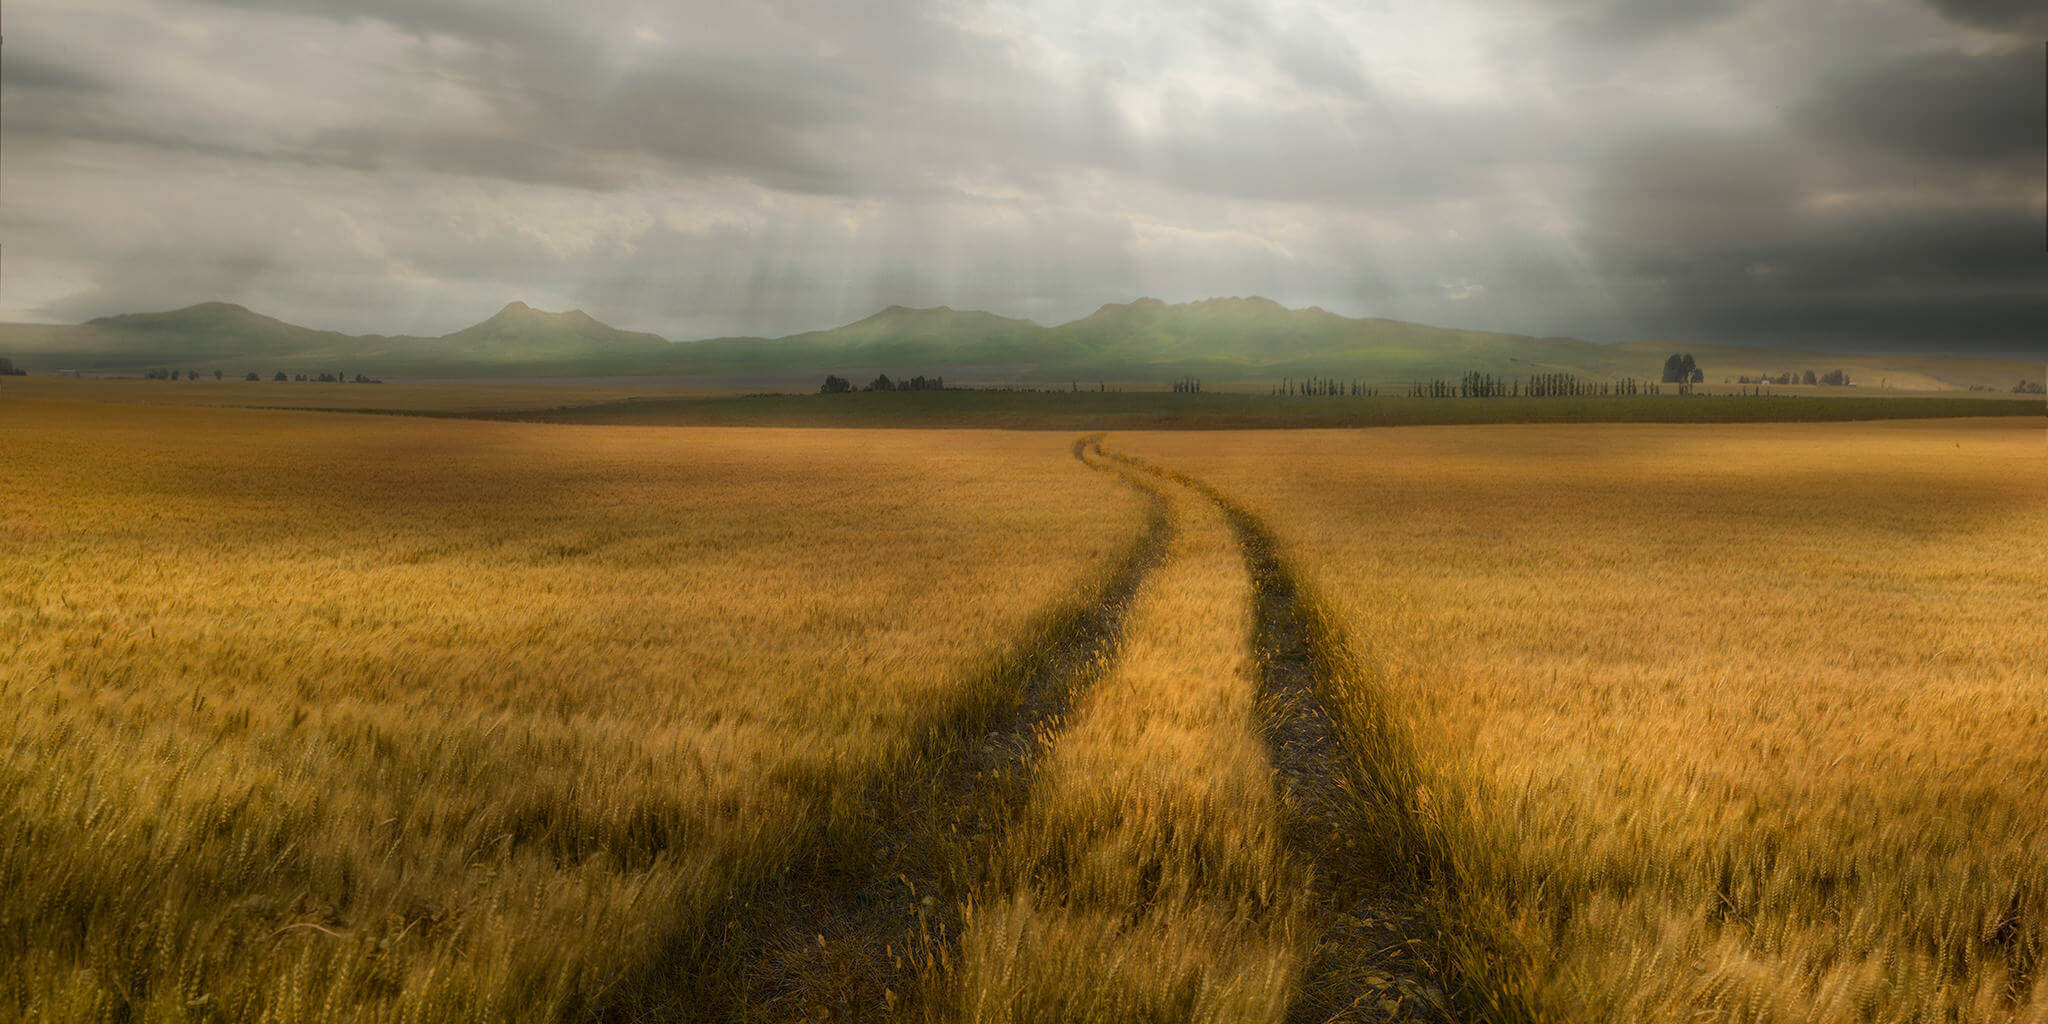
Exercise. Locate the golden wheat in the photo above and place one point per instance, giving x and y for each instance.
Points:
(340, 718)
(317, 717)
(1147, 879)
(1709, 723)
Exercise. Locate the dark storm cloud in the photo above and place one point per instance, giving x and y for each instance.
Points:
(1938, 107)
(1771, 241)
(2023, 16)
(1755, 171)
(2001, 325)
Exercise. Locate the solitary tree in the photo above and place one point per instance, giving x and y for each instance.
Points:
(1679, 368)
(835, 385)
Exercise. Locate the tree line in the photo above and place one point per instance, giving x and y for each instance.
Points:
(316, 377)
(1540, 385)
(837, 385)
(8, 369)
(1477, 384)
(1832, 378)
(1315, 387)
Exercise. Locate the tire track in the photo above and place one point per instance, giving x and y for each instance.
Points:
(1345, 815)
(867, 908)
(1371, 960)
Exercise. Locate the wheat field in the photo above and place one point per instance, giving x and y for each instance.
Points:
(1146, 879)
(1705, 723)
(322, 717)
(346, 718)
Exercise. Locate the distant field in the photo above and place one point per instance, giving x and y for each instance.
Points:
(1701, 723)
(392, 396)
(611, 403)
(1225, 411)
(313, 717)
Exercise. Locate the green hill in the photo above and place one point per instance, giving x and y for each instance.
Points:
(517, 341)
(521, 336)
(1256, 337)
(1222, 340)
(913, 339)
(194, 337)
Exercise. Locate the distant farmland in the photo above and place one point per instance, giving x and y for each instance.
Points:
(616, 404)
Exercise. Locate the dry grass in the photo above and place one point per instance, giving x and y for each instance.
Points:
(339, 718)
(1707, 723)
(1147, 879)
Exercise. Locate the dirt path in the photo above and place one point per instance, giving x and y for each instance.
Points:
(867, 909)
(1370, 961)
(870, 914)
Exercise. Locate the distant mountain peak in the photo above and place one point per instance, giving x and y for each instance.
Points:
(1145, 303)
(1248, 302)
(521, 309)
(1218, 303)
(185, 317)
(520, 313)
(215, 307)
(901, 310)
(1214, 304)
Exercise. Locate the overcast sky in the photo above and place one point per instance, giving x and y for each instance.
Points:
(1836, 173)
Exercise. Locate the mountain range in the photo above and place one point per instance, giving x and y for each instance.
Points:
(1221, 340)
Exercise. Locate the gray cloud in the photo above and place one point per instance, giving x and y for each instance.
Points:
(1940, 107)
(1584, 167)
(1636, 21)
(1773, 240)
(37, 72)
(2023, 16)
